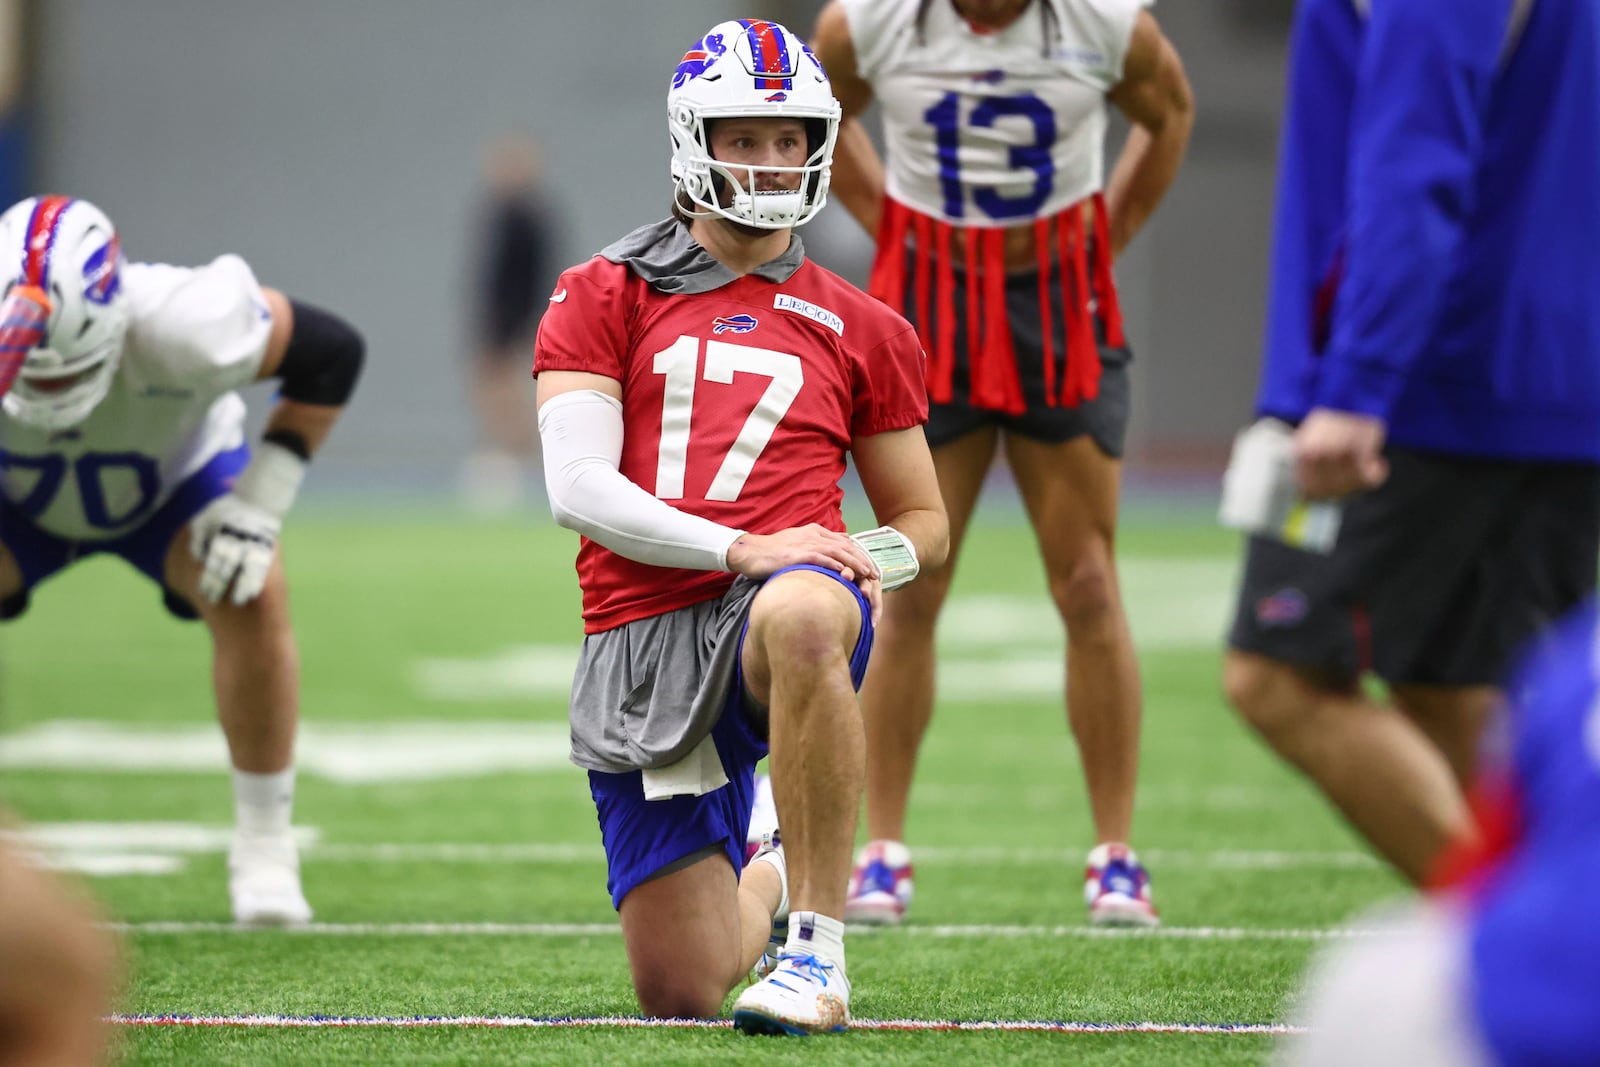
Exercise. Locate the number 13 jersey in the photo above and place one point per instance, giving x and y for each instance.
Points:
(740, 395)
(992, 128)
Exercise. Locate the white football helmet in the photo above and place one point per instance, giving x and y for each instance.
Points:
(745, 68)
(62, 255)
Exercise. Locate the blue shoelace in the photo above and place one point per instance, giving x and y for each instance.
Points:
(814, 968)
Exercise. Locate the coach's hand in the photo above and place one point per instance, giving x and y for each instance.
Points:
(236, 540)
(1337, 453)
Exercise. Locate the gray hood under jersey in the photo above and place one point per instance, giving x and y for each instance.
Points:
(664, 255)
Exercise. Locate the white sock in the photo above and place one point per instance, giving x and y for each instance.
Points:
(816, 935)
(262, 803)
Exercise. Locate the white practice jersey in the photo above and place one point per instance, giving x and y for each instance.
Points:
(993, 129)
(194, 336)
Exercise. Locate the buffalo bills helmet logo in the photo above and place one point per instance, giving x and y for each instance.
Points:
(733, 324)
(697, 60)
(102, 272)
(777, 98)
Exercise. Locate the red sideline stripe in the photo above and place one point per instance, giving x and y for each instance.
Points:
(510, 1022)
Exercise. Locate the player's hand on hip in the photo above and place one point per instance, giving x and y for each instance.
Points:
(1337, 453)
(759, 555)
(236, 541)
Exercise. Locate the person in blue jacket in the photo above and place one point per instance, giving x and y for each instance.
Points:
(1434, 341)
(1499, 964)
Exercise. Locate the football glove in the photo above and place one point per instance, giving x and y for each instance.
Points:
(236, 535)
(893, 552)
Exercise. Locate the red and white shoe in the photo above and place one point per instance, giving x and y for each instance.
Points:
(880, 884)
(1117, 888)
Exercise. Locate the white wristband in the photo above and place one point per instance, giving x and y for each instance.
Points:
(271, 479)
(893, 552)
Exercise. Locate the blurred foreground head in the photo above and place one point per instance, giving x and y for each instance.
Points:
(57, 968)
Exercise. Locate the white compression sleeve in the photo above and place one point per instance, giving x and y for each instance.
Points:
(581, 432)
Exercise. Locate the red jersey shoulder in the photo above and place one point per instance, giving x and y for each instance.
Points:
(585, 325)
(864, 322)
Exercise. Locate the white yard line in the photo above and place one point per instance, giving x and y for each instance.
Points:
(979, 931)
(516, 1022)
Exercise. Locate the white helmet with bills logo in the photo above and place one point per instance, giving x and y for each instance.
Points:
(741, 69)
(64, 314)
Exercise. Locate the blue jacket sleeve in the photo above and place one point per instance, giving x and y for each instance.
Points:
(1416, 133)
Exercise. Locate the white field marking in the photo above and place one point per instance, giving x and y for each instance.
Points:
(518, 1022)
(1173, 603)
(610, 930)
(105, 849)
(928, 855)
(161, 848)
(979, 931)
(112, 864)
(1053, 797)
(350, 753)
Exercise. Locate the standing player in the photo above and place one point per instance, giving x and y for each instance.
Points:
(995, 238)
(701, 384)
(122, 433)
(1435, 338)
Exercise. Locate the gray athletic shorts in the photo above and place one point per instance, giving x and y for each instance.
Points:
(647, 692)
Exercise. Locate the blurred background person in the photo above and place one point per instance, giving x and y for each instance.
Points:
(515, 264)
(58, 969)
(1434, 337)
(1500, 965)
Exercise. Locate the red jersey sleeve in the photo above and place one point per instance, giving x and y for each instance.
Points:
(585, 328)
(890, 389)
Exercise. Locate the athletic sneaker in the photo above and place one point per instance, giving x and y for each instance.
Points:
(1117, 888)
(763, 817)
(770, 850)
(264, 881)
(803, 995)
(880, 884)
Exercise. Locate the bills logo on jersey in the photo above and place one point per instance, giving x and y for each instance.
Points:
(785, 302)
(733, 324)
(990, 77)
(697, 60)
(102, 272)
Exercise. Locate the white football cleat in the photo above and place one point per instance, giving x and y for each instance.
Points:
(803, 995)
(264, 881)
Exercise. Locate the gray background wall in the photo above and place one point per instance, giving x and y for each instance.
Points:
(335, 144)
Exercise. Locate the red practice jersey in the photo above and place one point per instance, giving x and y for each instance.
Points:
(739, 405)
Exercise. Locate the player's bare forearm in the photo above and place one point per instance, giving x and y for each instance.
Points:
(858, 179)
(896, 471)
(1155, 96)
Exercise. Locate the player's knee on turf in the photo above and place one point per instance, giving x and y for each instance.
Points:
(667, 992)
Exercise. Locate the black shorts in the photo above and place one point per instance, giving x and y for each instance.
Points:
(1105, 418)
(1438, 577)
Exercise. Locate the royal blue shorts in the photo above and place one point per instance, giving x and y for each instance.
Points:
(643, 836)
(40, 554)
